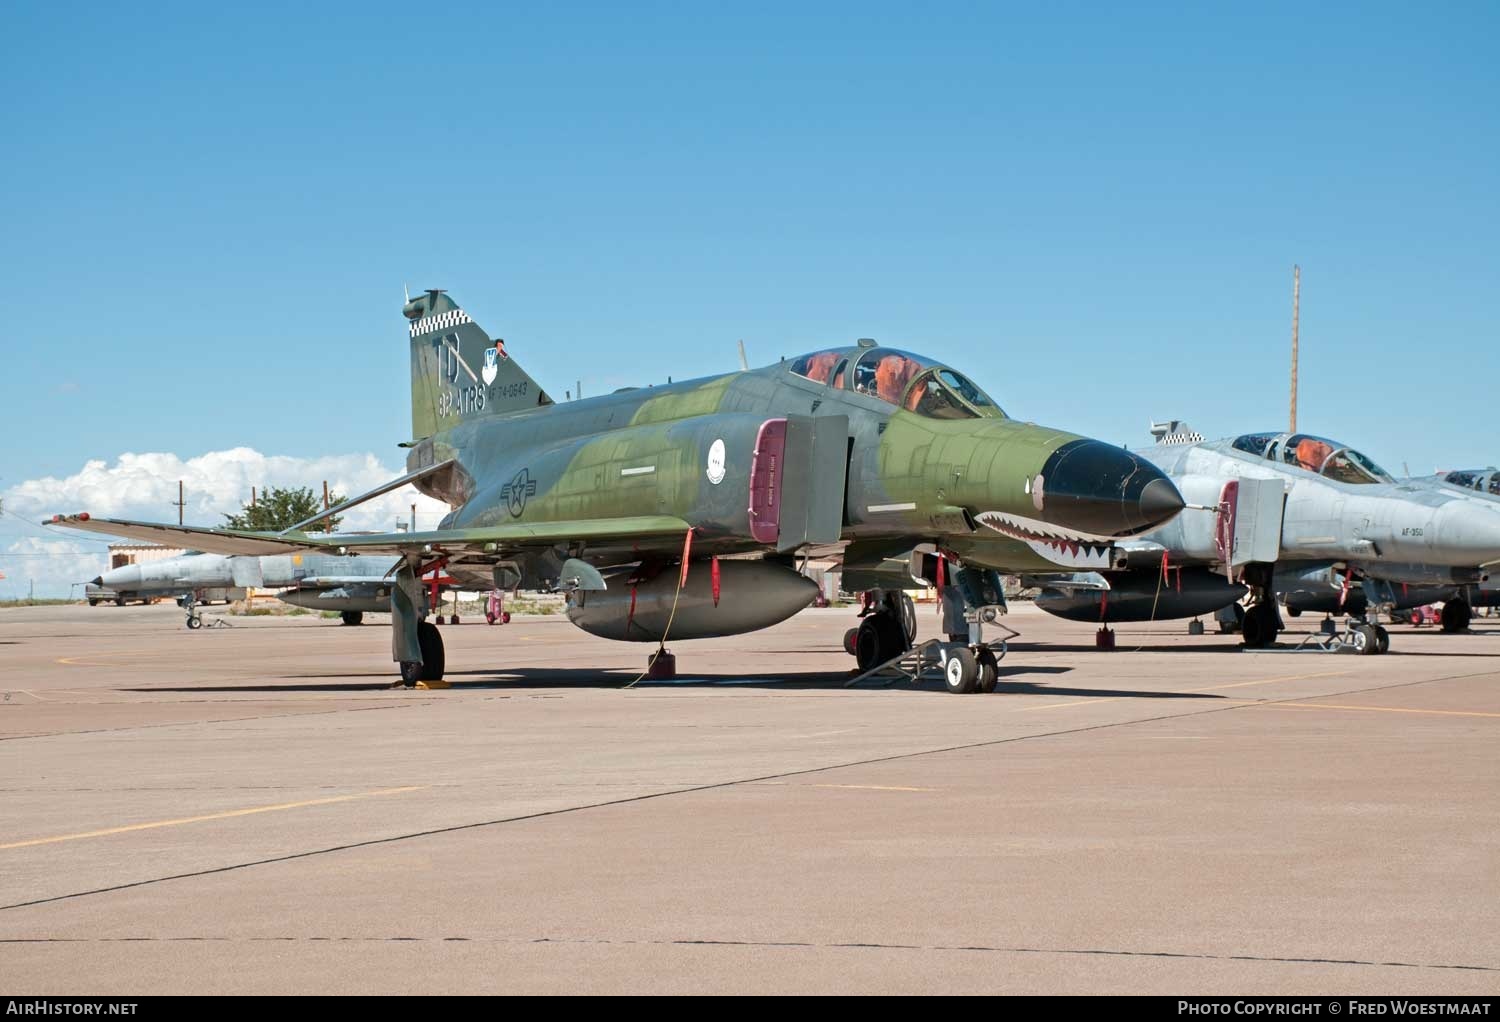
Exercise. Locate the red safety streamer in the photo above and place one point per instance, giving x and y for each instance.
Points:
(941, 572)
(630, 617)
(1103, 603)
(687, 551)
(713, 571)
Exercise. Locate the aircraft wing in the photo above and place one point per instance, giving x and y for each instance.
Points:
(644, 530)
(213, 541)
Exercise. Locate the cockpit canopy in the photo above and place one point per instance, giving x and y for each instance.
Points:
(1483, 480)
(1327, 458)
(900, 378)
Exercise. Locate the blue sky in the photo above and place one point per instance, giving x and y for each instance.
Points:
(1094, 210)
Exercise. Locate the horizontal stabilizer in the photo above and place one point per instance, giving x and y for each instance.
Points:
(383, 488)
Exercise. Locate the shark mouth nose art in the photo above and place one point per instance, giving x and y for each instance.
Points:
(1058, 545)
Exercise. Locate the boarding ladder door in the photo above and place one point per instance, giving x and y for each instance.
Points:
(797, 480)
(766, 466)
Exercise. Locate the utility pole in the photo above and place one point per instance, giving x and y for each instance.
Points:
(414, 518)
(181, 503)
(1296, 298)
(325, 494)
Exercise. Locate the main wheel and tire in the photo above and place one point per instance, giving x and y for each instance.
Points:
(1366, 642)
(431, 642)
(880, 639)
(352, 617)
(909, 618)
(1260, 626)
(989, 671)
(119, 601)
(1294, 612)
(961, 672)
(195, 622)
(1382, 640)
(1456, 616)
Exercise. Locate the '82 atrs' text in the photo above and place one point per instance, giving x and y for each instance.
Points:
(461, 401)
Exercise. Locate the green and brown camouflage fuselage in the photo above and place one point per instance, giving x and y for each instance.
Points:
(687, 451)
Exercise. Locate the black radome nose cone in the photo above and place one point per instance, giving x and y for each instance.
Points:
(98, 580)
(1103, 490)
(1160, 501)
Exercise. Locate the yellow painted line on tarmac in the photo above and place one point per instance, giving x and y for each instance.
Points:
(1210, 688)
(1385, 709)
(849, 787)
(1269, 681)
(210, 816)
(1075, 702)
(83, 660)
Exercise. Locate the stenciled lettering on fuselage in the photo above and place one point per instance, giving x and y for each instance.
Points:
(515, 492)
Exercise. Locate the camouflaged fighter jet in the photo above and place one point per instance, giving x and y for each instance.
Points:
(350, 585)
(676, 511)
(1279, 502)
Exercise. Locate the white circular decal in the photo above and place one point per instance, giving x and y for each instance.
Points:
(716, 462)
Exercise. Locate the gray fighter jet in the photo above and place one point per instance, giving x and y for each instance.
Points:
(1275, 501)
(350, 585)
(1485, 481)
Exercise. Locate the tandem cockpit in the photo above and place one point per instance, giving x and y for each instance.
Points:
(1319, 455)
(1482, 480)
(913, 382)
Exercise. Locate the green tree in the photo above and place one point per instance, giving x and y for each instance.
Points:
(278, 509)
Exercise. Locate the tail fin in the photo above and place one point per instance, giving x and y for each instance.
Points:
(457, 371)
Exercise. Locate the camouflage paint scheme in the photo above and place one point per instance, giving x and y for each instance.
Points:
(539, 487)
(578, 454)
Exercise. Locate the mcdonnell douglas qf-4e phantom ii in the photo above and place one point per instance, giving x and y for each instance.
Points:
(1459, 591)
(1295, 504)
(677, 511)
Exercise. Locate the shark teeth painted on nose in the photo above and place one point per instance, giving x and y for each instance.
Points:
(1060, 546)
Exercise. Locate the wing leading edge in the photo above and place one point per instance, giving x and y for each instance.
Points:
(495, 539)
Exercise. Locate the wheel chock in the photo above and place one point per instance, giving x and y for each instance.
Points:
(433, 685)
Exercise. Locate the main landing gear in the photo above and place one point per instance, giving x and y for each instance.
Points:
(1261, 625)
(416, 644)
(883, 644)
(1456, 616)
(888, 629)
(352, 617)
(430, 667)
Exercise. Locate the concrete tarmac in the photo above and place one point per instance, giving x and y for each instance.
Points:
(254, 809)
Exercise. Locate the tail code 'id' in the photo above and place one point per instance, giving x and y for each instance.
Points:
(457, 371)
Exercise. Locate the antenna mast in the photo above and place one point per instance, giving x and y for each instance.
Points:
(1296, 298)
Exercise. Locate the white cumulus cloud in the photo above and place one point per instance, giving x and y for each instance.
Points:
(54, 565)
(144, 487)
